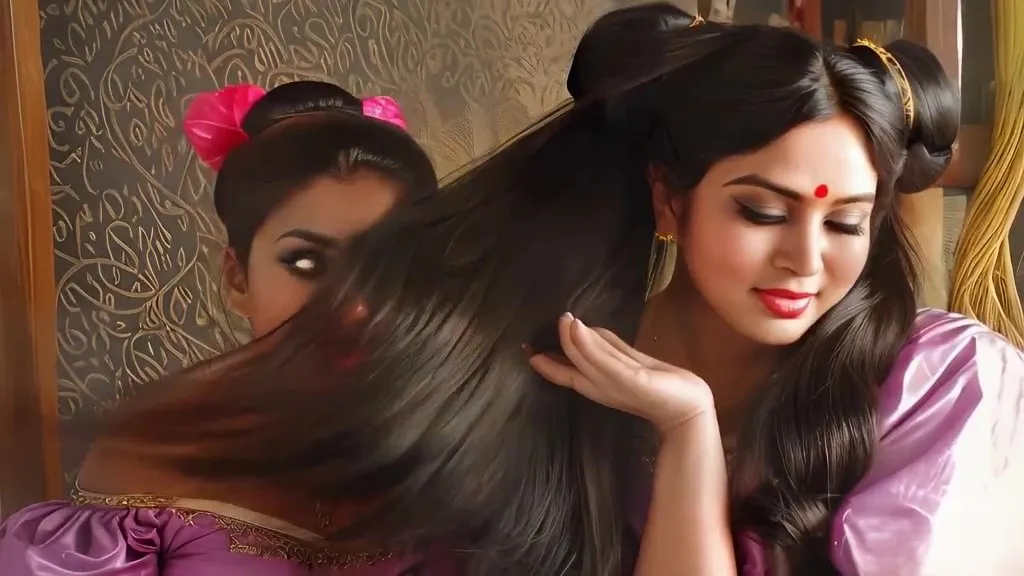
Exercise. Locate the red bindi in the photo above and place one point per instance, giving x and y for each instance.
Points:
(821, 191)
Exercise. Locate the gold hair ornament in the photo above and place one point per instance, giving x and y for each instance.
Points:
(897, 73)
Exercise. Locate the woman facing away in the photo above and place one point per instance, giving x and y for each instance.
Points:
(301, 169)
(330, 448)
(312, 166)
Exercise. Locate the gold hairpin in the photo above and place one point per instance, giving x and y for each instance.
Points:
(697, 21)
(894, 68)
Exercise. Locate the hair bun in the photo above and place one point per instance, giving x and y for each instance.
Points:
(299, 97)
(922, 168)
(936, 125)
(618, 45)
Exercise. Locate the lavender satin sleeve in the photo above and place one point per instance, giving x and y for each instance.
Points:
(64, 539)
(944, 493)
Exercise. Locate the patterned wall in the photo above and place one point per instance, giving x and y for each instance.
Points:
(135, 237)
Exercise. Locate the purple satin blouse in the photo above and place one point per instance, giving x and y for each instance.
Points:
(945, 493)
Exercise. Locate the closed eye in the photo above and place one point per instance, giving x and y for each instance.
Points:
(758, 217)
(761, 218)
(846, 228)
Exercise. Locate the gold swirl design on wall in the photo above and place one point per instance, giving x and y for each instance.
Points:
(136, 239)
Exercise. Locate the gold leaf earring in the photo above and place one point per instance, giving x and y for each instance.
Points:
(663, 249)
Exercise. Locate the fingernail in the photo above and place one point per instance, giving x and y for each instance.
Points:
(568, 316)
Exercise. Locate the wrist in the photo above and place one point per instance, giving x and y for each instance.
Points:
(700, 426)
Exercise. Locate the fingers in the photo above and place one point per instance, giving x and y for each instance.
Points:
(598, 343)
(596, 359)
(624, 348)
(608, 364)
(555, 371)
(578, 372)
(561, 373)
(569, 347)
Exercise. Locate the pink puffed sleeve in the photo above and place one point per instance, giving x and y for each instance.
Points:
(945, 493)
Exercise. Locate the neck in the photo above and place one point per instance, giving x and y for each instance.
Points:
(678, 327)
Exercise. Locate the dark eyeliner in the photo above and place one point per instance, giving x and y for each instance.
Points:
(758, 218)
(850, 229)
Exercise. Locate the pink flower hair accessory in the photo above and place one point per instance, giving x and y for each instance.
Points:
(213, 121)
(386, 109)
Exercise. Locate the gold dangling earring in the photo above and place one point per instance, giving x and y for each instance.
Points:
(662, 250)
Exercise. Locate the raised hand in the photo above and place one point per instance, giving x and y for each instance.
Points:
(610, 372)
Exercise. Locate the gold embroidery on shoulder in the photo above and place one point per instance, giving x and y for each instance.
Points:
(245, 537)
(133, 501)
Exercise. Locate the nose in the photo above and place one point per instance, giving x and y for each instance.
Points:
(800, 249)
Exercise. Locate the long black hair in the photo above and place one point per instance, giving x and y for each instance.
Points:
(429, 408)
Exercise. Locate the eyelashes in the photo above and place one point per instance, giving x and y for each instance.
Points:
(759, 218)
(849, 229)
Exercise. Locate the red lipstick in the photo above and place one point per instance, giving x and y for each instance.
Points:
(784, 304)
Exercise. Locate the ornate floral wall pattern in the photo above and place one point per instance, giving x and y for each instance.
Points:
(136, 240)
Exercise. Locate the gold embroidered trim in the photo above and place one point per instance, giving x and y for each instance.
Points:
(245, 537)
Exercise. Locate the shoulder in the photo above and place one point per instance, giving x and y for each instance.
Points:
(943, 335)
(66, 537)
(950, 440)
(948, 356)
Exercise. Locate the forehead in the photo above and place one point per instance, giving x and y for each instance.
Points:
(833, 152)
(337, 208)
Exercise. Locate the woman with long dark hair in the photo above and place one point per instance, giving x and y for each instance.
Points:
(871, 438)
(301, 170)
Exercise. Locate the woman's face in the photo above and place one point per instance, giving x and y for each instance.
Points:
(292, 250)
(772, 240)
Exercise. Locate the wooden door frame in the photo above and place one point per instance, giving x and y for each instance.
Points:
(29, 451)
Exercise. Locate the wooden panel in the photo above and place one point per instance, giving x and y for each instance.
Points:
(936, 24)
(29, 456)
(974, 145)
(812, 18)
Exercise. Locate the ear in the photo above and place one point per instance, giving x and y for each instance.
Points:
(667, 206)
(234, 285)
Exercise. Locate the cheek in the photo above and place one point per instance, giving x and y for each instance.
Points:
(274, 296)
(724, 254)
(845, 261)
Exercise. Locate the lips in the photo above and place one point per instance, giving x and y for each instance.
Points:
(784, 304)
